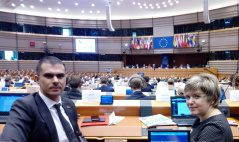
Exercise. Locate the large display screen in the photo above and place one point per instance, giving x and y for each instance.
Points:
(85, 45)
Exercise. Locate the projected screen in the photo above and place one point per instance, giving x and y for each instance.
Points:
(85, 45)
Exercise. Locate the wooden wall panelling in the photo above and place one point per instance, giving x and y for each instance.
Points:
(9, 64)
(31, 20)
(205, 45)
(109, 45)
(126, 40)
(125, 24)
(27, 64)
(7, 17)
(142, 52)
(116, 24)
(86, 66)
(163, 51)
(25, 39)
(224, 12)
(69, 65)
(223, 40)
(84, 23)
(102, 24)
(142, 23)
(162, 22)
(103, 66)
(60, 44)
(224, 67)
(185, 19)
(57, 22)
(8, 41)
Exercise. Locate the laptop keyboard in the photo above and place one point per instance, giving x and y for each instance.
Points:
(3, 118)
(184, 121)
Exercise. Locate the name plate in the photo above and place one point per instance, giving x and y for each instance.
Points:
(91, 95)
(163, 95)
(234, 95)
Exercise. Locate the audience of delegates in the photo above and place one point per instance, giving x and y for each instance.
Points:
(104, 88)
(149, 87)
(75, 82)
(136, 83)
(8, 82)
(149, 66)
(26, 80)
(202, 93)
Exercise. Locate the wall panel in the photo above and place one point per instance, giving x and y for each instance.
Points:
(56, 22)
(125, 24)
(185, 19)
(109, 45)
(9, 65)
(222, 13)
(126, 43)
(161, 22)
(223, 40)
(163, 51)
(103, 66)
(142, 52)
(224, 67)
(69, 65)
(60, 44)
(86, 66)
(7, 17)
(116, 24)
(25, 39)
(84, 23)
(141, 23)
(26, 65)
(31, 20)
(8, 41)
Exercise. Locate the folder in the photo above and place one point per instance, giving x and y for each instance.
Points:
(83, 124)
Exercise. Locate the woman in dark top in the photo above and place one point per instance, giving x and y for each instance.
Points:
(202, 93)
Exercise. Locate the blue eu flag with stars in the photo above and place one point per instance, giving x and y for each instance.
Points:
(163, 42)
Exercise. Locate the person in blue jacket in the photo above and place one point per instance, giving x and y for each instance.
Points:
(104, 88)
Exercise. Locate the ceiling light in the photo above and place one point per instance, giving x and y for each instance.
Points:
(41, 0)
(165, 6)
(49, 9)
(13, 4)
(90, 11)
(59, 2)
(58, 9)
(92, 5)
(169, 1)
(133, 3)
(150, 4)
(146, 7)
(76, 4)
(177, 1)
(22, 5)
(98, 11)
(118, 3)
(171, 4)
(82, 11)
(163, 3)
(66, 10)
(138, 3)
(144, 4)
(158, 7)
(32, 6)
(140, 7)
(157, 4)
(152, 7)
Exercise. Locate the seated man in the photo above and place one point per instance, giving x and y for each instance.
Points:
(75, 83)
(104, 88)
(26, 80)
(149, 87)
(136, 82)
(8, 82)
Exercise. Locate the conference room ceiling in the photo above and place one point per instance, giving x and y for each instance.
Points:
(96, 9)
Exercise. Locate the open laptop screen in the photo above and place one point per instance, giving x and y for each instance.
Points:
(7, 101)
(168, 135)
(179, 106)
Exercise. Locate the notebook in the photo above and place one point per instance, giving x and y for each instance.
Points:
(180, 114)
(168, 135)
(7, 100)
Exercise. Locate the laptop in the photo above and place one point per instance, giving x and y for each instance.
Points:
(7, 100)
(168, 135)
(18, 84)
(180, 114)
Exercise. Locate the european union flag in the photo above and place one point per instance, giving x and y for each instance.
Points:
(163, 42)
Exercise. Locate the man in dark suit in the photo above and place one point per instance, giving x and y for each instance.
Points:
(136, 82)
(104, 88)
(75, 82)
(44, 116)
(149, 87)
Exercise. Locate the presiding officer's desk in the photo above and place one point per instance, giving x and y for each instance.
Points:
(130, 127)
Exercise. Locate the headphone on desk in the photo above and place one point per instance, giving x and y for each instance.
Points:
(143, 83)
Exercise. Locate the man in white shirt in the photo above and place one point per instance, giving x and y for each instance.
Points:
(44, 116)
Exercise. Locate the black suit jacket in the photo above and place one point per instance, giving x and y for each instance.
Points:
(104, 88)
(147, 89)
(30, 120)
(72, 94)
(138, 95)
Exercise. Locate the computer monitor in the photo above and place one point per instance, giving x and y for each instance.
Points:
(4, 89)
(168, 135)
(18, 84)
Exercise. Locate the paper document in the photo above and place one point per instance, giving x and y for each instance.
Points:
(114, 119)
(156, 120)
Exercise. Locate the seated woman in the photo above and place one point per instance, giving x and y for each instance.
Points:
(136, 82)
(202, 94)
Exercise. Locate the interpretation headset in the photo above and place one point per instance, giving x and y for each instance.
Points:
(143, 83)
